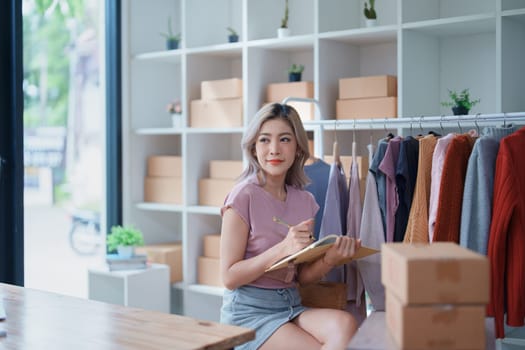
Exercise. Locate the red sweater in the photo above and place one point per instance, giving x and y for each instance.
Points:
(506, 249)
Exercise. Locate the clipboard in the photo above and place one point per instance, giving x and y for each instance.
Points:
(316, 250)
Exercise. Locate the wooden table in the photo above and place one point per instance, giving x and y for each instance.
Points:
(43, 320)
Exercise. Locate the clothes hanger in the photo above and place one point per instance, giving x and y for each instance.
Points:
(335, 151)
(354, 145)
(459, 126)
(389, 135)
(476, 123)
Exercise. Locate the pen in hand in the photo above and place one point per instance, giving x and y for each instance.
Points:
(280, 221)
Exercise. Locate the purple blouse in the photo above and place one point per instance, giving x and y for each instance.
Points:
(257, 208)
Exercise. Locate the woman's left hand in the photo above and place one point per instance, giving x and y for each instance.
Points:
(344, 247)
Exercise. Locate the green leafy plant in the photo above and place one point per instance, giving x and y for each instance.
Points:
(124, 236)
(296, 68)
(232, 31)
(370, 12)
(461, 99)
(284, 20)
(170, 35)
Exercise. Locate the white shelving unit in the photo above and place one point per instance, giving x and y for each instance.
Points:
(430, 45)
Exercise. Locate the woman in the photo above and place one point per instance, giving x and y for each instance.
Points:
(276, 146)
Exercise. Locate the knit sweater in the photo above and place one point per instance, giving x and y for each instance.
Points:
(448, 217)
(506, 250)
(417, 227)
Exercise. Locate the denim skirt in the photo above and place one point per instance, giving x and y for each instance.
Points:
(263, 310)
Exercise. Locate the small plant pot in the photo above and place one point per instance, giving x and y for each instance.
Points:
(294, 77)
(459, 110)
(176, 119)
(283, 32)
(172, 44)
(233, 38)
(371, 23)
(126, 251)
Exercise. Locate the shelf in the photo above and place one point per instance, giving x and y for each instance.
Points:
(455, 26)
(199, 209)
(210, 290)
(363, 36)
(158, 131)
(160, 207)
(289, 44)
(170, 56)
(214, 130)
(221, 50)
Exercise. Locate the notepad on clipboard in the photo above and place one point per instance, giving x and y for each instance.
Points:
(316, 250)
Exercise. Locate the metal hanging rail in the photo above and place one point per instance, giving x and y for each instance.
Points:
(414, 122)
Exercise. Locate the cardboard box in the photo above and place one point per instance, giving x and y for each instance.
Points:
(213, 192)
(209, 272)
(166, 253)
(226, 169)
(211, 246)
(163, 190)
(226, 113)
(438, 326)
(277, 92)
(170, 166)
(366, 87)
(441, 272)
(219, 89)
(366, 108)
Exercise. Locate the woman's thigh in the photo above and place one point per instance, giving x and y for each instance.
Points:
(290, 336)
(328, 325)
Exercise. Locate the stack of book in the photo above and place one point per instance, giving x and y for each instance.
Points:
(117, 263)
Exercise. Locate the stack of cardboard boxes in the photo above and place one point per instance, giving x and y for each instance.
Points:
(209, 269)
(223, 173)
(220, 105)
(163, 182)
(436, 295)
(277, 92)
(367, 97)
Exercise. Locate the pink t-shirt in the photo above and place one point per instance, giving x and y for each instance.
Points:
(257, 208)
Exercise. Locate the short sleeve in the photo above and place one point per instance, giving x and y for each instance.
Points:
(238, 200)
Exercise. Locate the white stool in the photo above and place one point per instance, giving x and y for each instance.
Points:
(146, 289)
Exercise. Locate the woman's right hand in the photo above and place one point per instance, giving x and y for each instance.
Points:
(299, 236)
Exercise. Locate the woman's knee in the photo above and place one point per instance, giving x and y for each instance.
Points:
(346, 325)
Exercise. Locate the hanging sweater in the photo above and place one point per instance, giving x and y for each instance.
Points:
(318, 172)
(448, 216)
(476, 208)
(506, 250)
(406, 175)
(417, 226)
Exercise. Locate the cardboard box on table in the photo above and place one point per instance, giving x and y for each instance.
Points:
(436, 295)
(435, 326)
(166, 253)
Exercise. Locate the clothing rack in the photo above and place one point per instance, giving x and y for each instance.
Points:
(414, 122)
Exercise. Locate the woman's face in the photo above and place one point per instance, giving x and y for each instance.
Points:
(275, 147)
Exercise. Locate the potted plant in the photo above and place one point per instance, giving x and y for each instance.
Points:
(370, 13)
(174, 108)
(461, 102)
(124, 239)
(295, 71)
(172, 40)
(233, 37)
(284, 31)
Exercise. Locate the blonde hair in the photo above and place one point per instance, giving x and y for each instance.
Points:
(295, 176)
